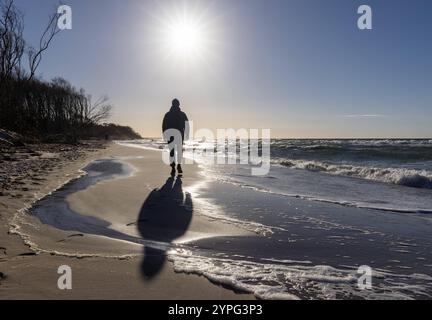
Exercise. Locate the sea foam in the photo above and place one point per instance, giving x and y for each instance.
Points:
(294, 280)
(399, 176)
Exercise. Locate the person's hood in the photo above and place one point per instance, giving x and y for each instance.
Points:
(175, 109)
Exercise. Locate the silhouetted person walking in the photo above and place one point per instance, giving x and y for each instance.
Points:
(175, 129)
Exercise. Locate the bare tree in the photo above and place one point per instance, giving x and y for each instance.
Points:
(12, 44)
(35, 56)
(31, 105)
(98, 111)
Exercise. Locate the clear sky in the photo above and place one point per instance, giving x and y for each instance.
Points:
(301, 68)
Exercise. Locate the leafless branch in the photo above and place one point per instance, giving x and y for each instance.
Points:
(12, 44)
(35, 56)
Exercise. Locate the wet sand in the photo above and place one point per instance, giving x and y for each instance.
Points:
(106, 266)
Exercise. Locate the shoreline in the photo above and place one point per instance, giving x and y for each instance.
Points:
(118, 279)
(123, 224)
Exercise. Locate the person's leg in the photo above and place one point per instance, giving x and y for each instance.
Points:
(180, 158)
(172, 157)
(179, 169)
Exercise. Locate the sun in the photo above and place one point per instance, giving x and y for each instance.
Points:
(185, 38)
(184, 35)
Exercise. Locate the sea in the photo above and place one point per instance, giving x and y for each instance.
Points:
(394, 175)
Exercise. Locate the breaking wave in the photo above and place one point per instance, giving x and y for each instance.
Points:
(399, 176)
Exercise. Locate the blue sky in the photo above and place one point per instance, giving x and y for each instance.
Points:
(301, 68)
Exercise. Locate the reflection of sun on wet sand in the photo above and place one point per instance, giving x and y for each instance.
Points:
(102, 229)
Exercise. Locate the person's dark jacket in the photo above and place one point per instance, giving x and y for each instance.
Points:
(175, 119)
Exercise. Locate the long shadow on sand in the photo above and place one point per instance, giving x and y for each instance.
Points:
(165, 216)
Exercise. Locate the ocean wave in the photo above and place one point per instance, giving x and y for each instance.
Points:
(399, 176)
(295, 280)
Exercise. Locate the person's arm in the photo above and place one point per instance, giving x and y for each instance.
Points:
(164, 124)
(186, 128)
(165, 127)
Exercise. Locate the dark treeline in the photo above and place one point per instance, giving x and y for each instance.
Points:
(34, 107)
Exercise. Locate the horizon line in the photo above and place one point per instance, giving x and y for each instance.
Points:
(334, 138)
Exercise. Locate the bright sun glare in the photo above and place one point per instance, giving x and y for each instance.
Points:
(185, 38)
(185, 34)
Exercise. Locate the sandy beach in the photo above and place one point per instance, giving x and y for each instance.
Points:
(104, 267)
(129, 230)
